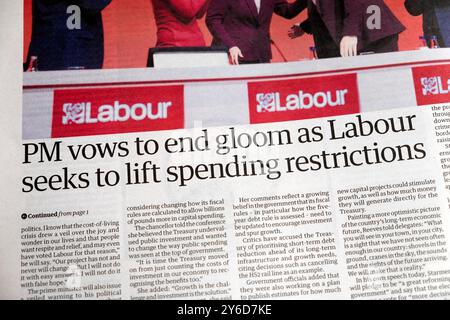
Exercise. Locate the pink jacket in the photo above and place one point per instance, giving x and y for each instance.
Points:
(176, 21)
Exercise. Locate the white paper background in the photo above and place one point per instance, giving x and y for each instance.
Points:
(11, 43)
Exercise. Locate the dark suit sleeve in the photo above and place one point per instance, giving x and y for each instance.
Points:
(415, 7)
(93, 5)
(90, 5)
(214, 21)
(290, 10)
(49, 2)
(306, 26)
(354, 18)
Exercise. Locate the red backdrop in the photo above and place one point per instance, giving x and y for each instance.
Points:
(130, 31)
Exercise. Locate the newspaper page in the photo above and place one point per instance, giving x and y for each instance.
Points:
(225, 150)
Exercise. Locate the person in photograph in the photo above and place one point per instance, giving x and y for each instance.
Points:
(176, 21)
(67, 34)
(243, 26)
(436, 19)
(343, 28)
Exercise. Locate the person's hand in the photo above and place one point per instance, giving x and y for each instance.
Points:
(235, 54)
(349, 46)
(296, 31)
